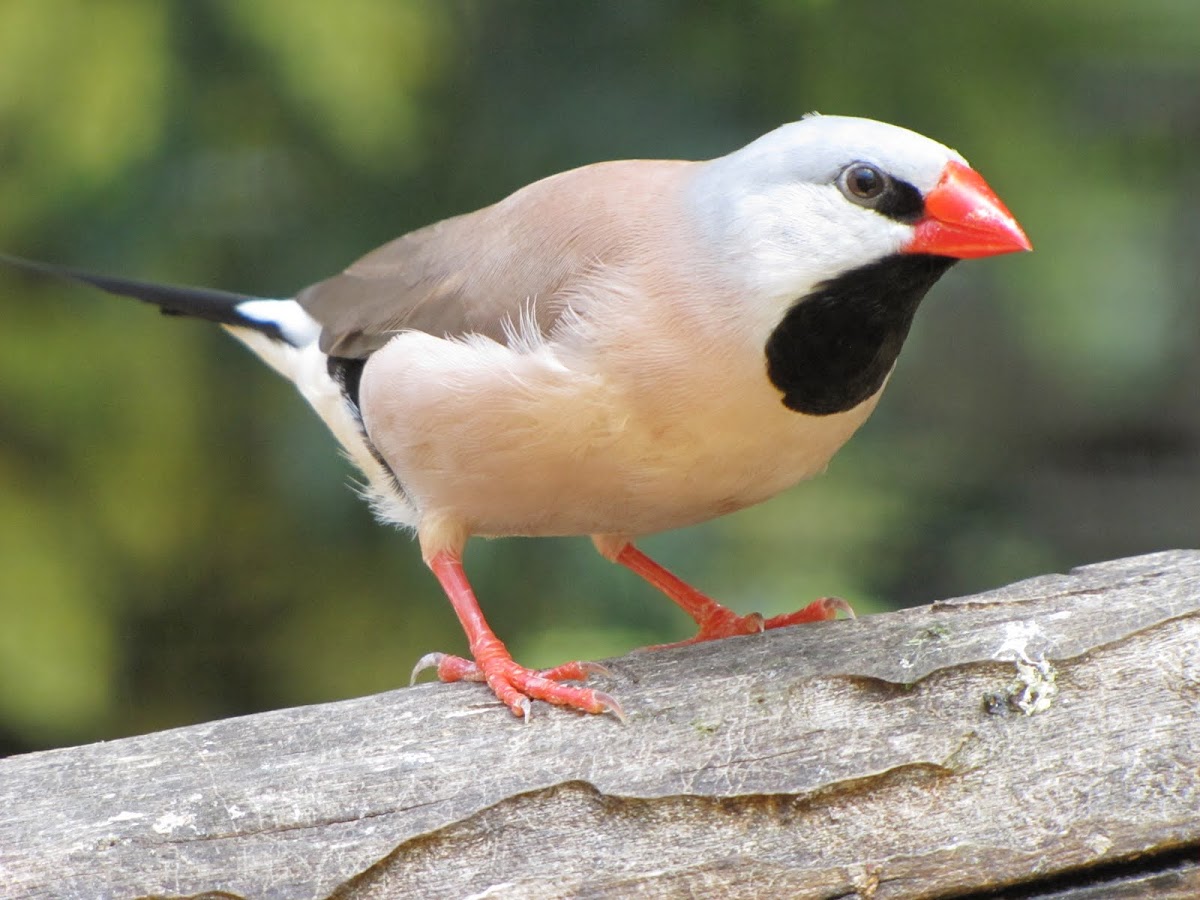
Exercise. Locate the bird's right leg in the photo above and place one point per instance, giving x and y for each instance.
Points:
(515, 685)
(714, 620)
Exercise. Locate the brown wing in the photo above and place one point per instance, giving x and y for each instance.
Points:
(471, 273)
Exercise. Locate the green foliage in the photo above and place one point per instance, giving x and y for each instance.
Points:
(177, 541)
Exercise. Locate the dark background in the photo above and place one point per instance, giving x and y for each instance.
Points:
(177, 538)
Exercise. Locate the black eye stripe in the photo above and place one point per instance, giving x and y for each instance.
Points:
(901, 201)
(887, 195)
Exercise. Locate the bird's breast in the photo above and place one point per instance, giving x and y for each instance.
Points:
(549, 443)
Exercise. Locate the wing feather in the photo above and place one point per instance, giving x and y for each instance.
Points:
(486, 271)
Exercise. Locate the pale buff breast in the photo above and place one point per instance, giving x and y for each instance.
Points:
(505, 442)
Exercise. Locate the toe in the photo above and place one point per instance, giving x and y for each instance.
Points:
(575, 671)
(820, 610)
(449, 668)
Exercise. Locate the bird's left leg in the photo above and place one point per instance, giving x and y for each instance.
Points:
(515, 685)
(714, 620)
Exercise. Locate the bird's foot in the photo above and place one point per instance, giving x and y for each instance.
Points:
(821, 610)
(721, 621)
(517, 686)
(714, 620)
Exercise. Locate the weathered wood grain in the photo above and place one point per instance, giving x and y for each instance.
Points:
(1045, 735)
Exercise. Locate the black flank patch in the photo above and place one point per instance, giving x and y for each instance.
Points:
(836, 345)
(347, 372)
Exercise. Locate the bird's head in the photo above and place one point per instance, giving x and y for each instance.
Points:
(816, 198)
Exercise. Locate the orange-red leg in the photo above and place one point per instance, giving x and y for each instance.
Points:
(514, 685)
(715, 620)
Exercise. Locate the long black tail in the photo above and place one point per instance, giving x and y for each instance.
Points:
(173, 300)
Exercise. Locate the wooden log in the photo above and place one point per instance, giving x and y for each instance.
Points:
(1043, 737)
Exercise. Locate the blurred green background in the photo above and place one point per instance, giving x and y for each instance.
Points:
(177, 538)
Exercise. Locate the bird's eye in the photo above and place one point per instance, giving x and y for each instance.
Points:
(863, 182)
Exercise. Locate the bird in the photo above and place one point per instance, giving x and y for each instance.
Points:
(617, 350)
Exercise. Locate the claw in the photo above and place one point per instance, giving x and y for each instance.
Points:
(595, 668)
(837, 604)
(428, 661)
(611, 705)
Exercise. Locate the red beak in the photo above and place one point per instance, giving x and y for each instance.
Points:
(964, 219)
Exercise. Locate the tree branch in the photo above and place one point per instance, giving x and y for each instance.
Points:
(1045, 735)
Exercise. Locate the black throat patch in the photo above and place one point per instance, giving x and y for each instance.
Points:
(835, 346)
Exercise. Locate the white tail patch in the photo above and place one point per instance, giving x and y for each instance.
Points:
(297, 327)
